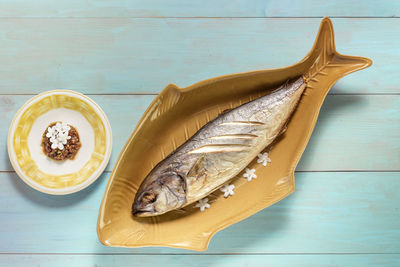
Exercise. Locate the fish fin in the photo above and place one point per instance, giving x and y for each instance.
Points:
(225, 111)
(197, 169)
(323, 55)
(283, 129)
(179, 211)
(220, 148)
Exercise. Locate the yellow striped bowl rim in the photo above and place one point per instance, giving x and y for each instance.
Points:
(20, 156)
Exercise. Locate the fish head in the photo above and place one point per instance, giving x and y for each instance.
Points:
(164, 193)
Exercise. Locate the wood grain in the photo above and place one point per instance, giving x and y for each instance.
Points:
(328, 213)
(334, 218)
(200, 260)
(130, 56)
(205, 8)
(354, 132)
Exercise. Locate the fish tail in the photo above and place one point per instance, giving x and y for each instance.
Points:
(323, 56)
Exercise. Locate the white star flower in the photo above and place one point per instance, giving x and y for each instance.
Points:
(263, 158)
(203, 204)
(50, 132)
(250, 174)
(58, 135)
(228, 190)
(65, 127)
(60, 146)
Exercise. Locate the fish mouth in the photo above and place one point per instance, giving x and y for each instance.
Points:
(139, 213)
(142, 212)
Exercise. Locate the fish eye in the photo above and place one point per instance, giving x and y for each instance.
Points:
(149, 198)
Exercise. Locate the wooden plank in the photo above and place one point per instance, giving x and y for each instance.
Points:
(143, 55)
(200, 260)
(351, 135)
(328, 213)
(354, 132)
(205, 8)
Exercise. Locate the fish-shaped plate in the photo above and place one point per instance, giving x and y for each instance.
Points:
(178, 113)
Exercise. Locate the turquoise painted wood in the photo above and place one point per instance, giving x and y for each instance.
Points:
(354, 132)
(344, 211)
(330, 212)
(201, 261)
(197, 8)
(130, 56)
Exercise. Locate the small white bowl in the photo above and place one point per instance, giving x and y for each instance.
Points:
(25, 135)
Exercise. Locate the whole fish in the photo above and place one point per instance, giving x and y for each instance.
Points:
(219, 151)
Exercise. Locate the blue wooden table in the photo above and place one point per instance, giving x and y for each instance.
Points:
(345, 210)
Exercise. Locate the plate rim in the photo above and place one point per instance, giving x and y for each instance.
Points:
(66, 190)
(325, 26)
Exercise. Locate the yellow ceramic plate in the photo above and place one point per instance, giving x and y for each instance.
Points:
(177, 113)
(31, 121)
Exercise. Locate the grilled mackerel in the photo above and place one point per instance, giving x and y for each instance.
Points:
(219, 151)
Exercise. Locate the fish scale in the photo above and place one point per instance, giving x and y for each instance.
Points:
(219, 151)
